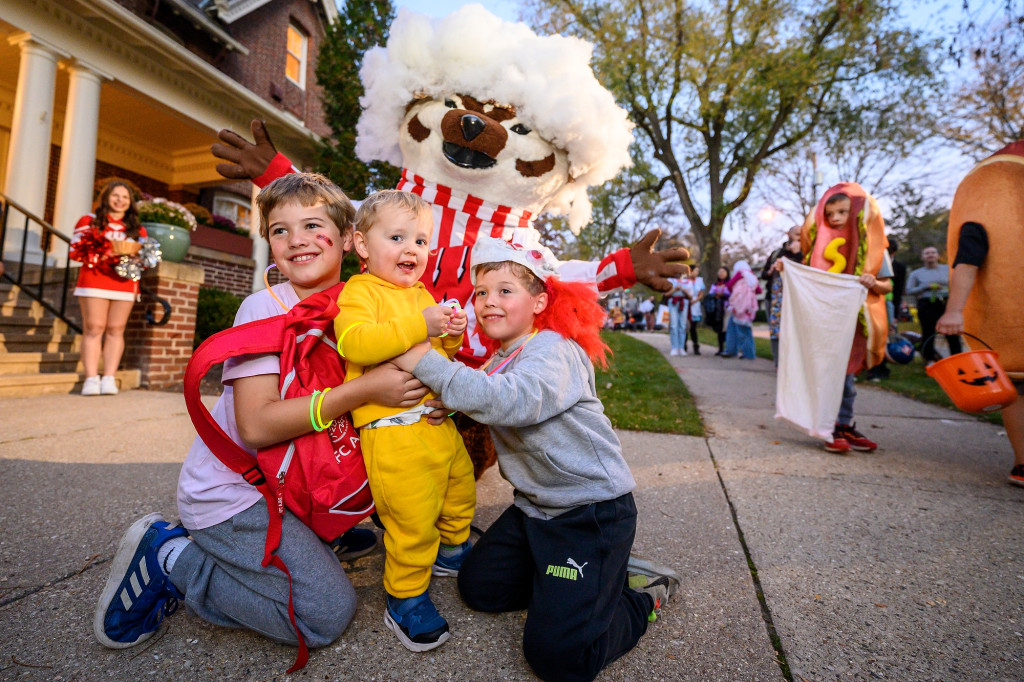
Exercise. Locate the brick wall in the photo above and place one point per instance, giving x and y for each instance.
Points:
(264, 32)
(223, 271)
(162, 352)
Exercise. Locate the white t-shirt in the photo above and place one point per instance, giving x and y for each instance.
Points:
(696, 312)
(209, 492)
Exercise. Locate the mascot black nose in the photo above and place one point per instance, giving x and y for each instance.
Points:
(471, 126)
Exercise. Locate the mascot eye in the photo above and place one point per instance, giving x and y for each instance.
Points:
(520, 129)
(449, 102)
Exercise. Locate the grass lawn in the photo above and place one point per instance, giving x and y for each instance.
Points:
(642, 392)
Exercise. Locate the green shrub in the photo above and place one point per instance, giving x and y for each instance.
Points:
(215, 311)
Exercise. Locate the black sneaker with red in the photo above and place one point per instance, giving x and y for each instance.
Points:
(1016, 476)
(839, 444)
(855, 438)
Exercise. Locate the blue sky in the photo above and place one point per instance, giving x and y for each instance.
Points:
(506, 9)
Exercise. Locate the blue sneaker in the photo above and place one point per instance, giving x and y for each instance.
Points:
(137, 594)
(448, 566)
(416, 623)
(353, 543)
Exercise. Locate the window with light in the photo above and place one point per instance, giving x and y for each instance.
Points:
(295, 61)
(234, 208)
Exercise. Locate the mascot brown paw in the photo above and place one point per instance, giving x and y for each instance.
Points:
(245, 160)
(653, 268)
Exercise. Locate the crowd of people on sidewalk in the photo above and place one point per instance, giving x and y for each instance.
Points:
(546, 338)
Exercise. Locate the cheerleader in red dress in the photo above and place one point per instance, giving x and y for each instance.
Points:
(105, 297)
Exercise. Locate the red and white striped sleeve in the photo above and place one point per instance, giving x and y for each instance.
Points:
(614, 271)
(81, 227)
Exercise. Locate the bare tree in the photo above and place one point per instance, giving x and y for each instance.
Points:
(719, 88)
(988, 107)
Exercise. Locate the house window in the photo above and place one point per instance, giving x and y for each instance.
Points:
(295, 61)
(235, 208)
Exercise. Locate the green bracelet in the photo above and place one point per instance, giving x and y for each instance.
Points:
(312, 416)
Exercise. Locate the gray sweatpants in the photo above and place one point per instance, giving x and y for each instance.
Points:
(224, 583)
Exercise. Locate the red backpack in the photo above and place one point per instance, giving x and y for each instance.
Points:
(319, 476)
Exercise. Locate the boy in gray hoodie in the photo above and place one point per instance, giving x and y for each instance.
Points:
(561, 550)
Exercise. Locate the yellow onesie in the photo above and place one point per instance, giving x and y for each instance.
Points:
(420, 475)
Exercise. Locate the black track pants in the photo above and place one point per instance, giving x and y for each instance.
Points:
(570, 574)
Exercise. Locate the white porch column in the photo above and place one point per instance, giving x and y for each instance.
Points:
(78, 148)
(28, 157)
(260, 248)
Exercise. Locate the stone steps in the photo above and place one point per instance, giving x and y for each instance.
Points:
(20, 385)
(39, 363)
(39, 353)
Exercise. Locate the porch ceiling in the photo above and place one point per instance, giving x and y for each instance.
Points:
(135, 131)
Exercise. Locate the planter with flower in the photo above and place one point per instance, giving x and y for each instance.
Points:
(170, 224)
(222, 234)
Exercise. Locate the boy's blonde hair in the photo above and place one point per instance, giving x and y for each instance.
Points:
(306, 189)
(531, 282)
(368, 211)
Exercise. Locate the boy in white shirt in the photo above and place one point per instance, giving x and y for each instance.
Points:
(213, 560)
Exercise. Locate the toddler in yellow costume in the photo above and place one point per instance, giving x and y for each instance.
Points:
(420, 474)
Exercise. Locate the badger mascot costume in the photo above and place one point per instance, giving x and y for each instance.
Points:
(493, 125)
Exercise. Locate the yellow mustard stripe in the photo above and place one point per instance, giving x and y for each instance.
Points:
(342, 337)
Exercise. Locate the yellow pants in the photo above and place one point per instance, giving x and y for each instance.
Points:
(422, 482)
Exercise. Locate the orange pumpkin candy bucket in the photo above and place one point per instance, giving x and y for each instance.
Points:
(974, 380)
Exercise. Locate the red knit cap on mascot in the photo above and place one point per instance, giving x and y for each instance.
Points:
(992, 195)
(856, 248)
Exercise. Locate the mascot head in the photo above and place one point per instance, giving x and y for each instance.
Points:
(491, 109)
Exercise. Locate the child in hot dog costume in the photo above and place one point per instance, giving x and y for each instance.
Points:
(986, 247)
(846, 235)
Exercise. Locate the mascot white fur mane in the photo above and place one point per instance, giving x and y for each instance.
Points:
(558, 109)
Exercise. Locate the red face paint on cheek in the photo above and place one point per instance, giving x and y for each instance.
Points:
(325, 238)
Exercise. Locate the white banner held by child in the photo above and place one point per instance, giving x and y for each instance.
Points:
(819, 318)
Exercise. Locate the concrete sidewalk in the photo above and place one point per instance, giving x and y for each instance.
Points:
(79, 470)
(905, 564)
(901, 564)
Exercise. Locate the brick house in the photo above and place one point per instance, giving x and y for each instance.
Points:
(139, 88)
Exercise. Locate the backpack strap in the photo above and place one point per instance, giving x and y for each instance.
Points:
(259, 336)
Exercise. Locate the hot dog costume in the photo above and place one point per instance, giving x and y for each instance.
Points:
(992, 195)
(855, 249)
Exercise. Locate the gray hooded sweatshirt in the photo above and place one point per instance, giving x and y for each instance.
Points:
(555, 445)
